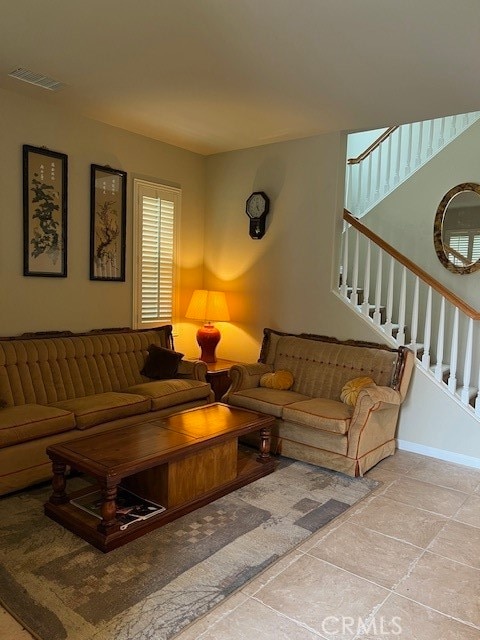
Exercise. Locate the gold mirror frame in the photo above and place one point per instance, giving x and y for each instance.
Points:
(438, 228)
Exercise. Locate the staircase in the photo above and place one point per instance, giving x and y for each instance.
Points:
(396, 298)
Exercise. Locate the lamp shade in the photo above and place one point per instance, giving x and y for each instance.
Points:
(208, 306)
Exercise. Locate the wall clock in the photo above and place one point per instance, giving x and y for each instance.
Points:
(257, 207)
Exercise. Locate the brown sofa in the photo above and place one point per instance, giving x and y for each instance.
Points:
(313, 424)
(54, 388)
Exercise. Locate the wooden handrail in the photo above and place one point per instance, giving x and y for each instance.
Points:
(411, 266)
(373, 146)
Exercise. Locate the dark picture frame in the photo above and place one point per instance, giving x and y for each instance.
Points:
(45, 184)
(108, 216)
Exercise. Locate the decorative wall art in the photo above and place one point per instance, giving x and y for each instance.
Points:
(108, 188)
(44, 212)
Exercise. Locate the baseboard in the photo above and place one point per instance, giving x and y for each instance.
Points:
(441, 454)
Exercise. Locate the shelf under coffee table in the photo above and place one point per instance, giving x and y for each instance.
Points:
(181, 462)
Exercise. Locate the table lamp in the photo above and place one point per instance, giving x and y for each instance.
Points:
(207, 306)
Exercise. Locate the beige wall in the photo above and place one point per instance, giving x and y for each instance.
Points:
(75, 302)
(283, 280)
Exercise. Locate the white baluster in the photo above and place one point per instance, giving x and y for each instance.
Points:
(452, 379)
(366, 283)
(377, 316)
(359, 209)
(467, 368)
(427, 331)
(465, 120)
(453, 127)
(408, 167)
(344, 285)
(441, 140)
(401, 308)
(418, 159)
(396, 177)
(414, 328)
(430, 140)
(388, 324)
(440, 342)
(354, 296)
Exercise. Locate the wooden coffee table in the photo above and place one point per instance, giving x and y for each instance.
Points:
(182, 462)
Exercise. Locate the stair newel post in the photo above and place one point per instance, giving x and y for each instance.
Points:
(349, 187)
(369, 182)
(452, 378)
(441, 140)
(389, 165)
(354, 296)
(414, 326)
(359, 204)
(440, 341)
(344, 283)
(401, 308)
(408, 167)
(477, 399)
(379, 173)
(377, 316)
(366, 282)
(418, 159)
(396, 177)
(467, 367)
(427, 335)
(388, 324)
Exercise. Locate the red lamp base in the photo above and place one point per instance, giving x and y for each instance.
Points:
(208, 337)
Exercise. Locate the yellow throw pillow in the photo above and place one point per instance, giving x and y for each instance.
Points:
(278, 380)
(352, 388)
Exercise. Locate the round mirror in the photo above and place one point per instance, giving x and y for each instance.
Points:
(456, 232)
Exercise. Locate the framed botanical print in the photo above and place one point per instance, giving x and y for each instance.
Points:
(108, 189)
(44, 212)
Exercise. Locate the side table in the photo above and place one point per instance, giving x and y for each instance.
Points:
(218, 376)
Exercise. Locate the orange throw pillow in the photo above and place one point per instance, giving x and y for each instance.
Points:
(278, 380)
(352, 388)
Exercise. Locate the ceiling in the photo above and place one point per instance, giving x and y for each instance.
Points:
(218, 75)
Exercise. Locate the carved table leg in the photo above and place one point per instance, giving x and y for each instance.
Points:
(59, 482)
(264, 445)
(109, 509)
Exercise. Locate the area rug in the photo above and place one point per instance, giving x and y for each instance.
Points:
(59, 587)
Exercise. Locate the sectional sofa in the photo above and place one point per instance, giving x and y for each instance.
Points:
(56, 387)
(312, 422)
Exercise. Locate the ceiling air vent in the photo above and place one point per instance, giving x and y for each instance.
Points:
(37, 79)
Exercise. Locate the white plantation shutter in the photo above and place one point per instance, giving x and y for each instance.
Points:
(156, 212)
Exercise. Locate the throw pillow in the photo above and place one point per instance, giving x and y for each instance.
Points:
(277, 380)
(352, 388)
(161, 363)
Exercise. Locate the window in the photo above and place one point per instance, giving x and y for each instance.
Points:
(156, 213)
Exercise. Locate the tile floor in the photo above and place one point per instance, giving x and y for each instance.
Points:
(404, 563)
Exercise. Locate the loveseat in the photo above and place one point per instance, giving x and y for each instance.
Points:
(54, 388)
(312, 422)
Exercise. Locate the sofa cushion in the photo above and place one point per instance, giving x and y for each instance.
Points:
(277, 380)
(103, 407)
(352, 388)
(271, 401)
(168, 393)
(327, 415)
(30, 421)
(161, 363)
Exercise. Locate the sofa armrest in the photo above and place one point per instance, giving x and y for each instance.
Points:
(374, 420)
(246, 376)
(194, 369)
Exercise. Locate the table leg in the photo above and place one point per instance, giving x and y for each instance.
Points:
(59, 483)
(109, 509)
(264, 445)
